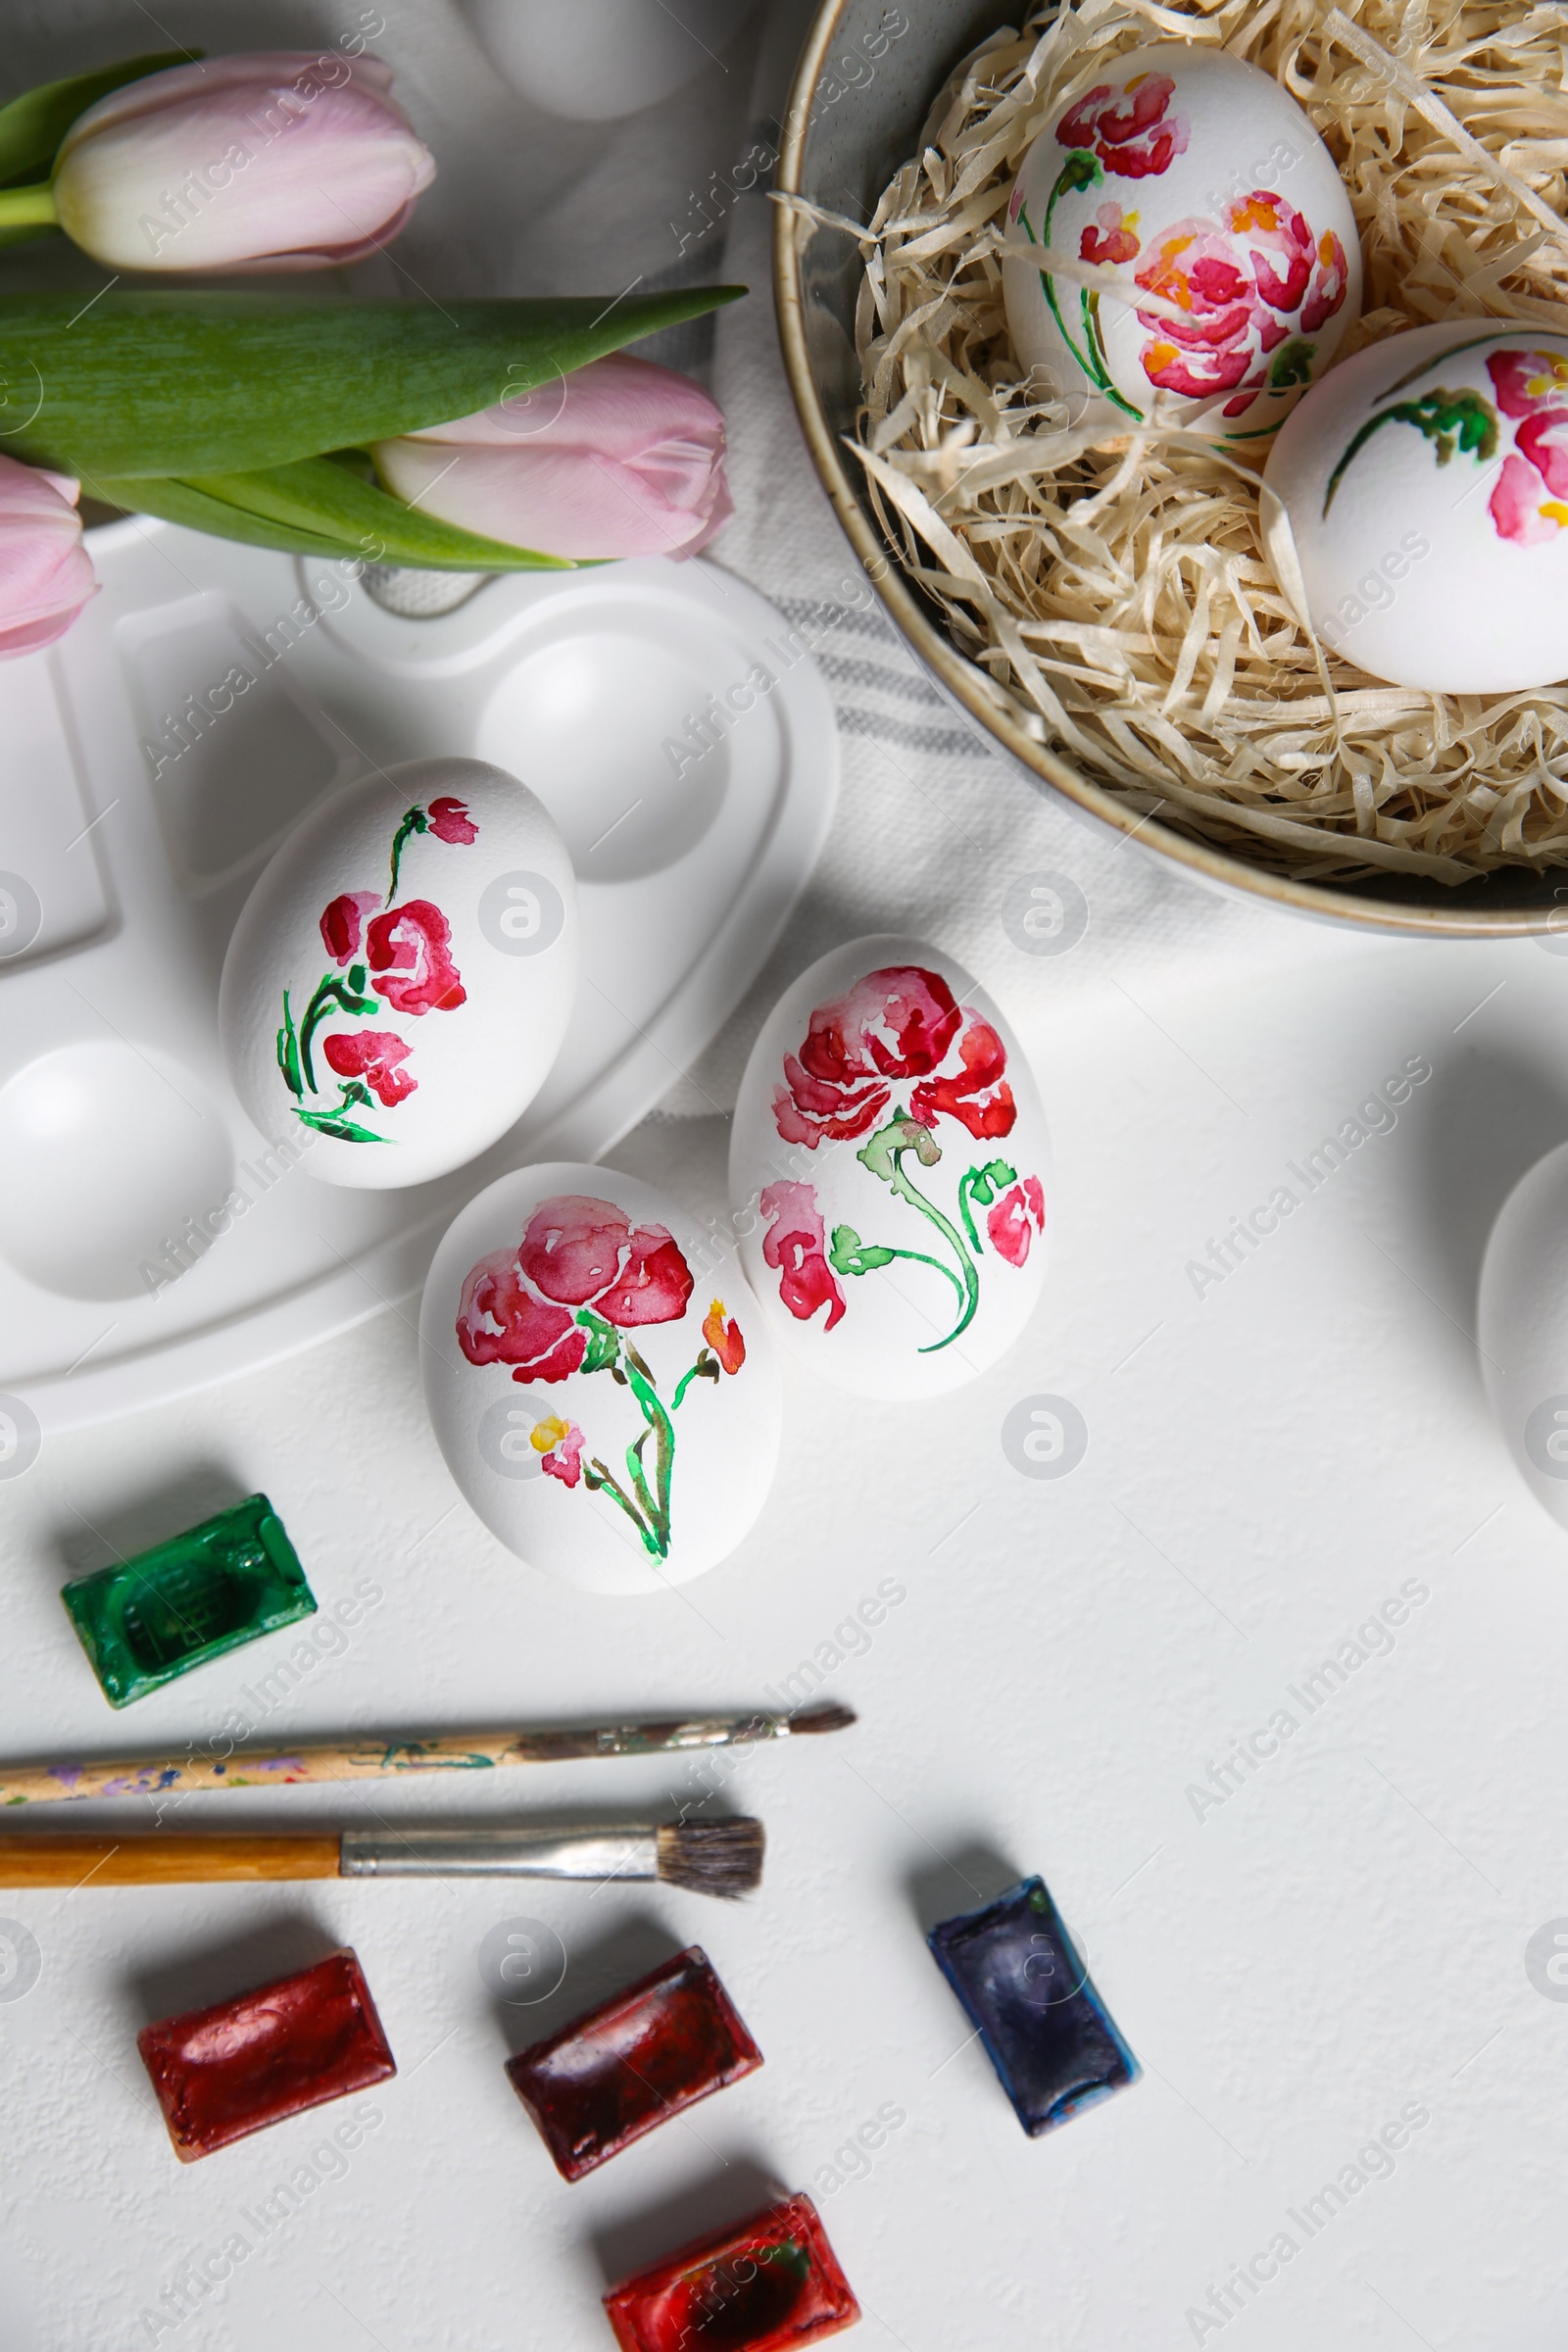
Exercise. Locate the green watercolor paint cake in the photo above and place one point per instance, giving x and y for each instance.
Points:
(227, 1581)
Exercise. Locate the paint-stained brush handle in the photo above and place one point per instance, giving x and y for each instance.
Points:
(372, 1759)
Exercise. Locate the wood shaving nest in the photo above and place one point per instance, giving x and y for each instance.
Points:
(1116, 594)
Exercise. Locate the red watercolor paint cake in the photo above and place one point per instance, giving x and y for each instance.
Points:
(772, 2285)
(626, 2066)
(233, 2069)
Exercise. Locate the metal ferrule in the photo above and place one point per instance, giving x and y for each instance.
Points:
(660, 1739)
(616, 1852)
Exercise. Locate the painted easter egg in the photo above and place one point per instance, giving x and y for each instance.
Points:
(600, 1379)
(888, 1172)
(1415, 507)
(399, 979)
(1522, 1329)
(1199, 185)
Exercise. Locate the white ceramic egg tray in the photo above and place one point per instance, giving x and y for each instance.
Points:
(140, 794)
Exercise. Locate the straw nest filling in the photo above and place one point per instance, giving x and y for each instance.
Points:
(1117, 593)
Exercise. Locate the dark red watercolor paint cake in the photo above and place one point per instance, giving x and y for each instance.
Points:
(630, 2065)
(235, 2068)
(772, 2285)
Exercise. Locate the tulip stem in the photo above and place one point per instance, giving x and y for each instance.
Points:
(28, 208)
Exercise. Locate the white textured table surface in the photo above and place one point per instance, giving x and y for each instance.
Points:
(1339, 1942)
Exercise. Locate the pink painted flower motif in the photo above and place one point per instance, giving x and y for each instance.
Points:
(517, 1305)
(343, 923)
(562, 1303)
(409, 951)
(892, 1025)
(559, 1445)
(1112, 237)
(375, 1055)
(447, 819)
(501, 1321)
(586, 1252)
(1516, 508)
(1532, 388)
(1277, 240)
(450, 821)
(1244, 288)
(1209, 349)
(1136, 140)
(978, 1094)
(1329, 279)
(795, 1248)
(1007, 1222)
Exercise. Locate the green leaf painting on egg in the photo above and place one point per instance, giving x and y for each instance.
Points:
(1453, 421)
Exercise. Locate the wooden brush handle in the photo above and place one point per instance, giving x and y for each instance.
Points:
(48, 1860)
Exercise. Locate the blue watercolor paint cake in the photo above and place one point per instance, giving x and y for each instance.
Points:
(1045, 2031)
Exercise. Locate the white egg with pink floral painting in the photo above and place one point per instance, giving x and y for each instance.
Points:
(1199, 260)
(1415, 509)
(600, 1379)
(890, 1173)
(400, 978)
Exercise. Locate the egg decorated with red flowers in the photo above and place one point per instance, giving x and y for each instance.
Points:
(600, 1378)
(399, 979)
(890, 1172)
(1198, 259)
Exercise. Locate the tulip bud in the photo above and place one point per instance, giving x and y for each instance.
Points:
(619, 458)
(271, 161)
(45, 572)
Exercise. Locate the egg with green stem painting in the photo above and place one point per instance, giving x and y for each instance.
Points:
(1415, 508)
(401, 977)
(1199, 260)
(599, 1379)
(890, 1177)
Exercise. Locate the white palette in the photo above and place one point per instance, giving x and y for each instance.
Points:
(139, 797)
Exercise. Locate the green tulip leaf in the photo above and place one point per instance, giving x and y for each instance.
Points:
(33, 125)
(187, 385)
(319, 509)
(315, 495)
(178, 501)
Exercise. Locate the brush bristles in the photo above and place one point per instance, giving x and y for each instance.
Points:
(712, 1857)
(829, 1717)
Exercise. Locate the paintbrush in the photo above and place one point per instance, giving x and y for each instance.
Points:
(706, 1857)
(373, 1759)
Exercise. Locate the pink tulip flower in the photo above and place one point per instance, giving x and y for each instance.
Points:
(45, 572)
(272, 160)
(619, 458)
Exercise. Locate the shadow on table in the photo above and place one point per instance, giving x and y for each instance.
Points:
(971, 1876)
(118, 1533)
(597, 1965)
(231, 1965)
(724, 2195)
(1496, 1113)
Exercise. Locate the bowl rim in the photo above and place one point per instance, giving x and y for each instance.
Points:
(960, 677)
